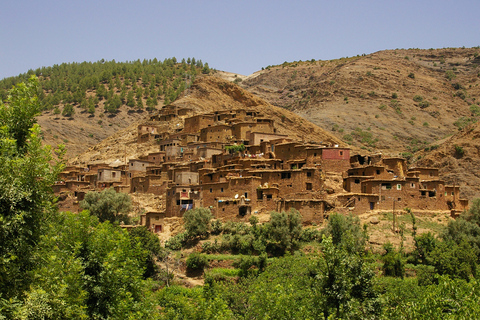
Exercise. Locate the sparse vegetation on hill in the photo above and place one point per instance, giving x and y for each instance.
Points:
(436, 86)
(103, 96)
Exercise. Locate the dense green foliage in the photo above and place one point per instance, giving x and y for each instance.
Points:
(26, 177)
(60, 265)
(74, 266)
(197, 222)
(108, 205)
(110, 84)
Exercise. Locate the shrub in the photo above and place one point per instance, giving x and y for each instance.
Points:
(310, 234)
(463, 122)
(460, 94)
(394, 95)
(411, 75)
(475, 110)
(449, 74)
(197, 222)
(417, 98)
(459, 151)
(424, 104)
(457, 86)
(217, 227)
(197, 261)
(393, 264)
(176, 242)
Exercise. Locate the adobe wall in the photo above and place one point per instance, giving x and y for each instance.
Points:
(186, 178)
(107, 175)
(255, 138)
(220, 133)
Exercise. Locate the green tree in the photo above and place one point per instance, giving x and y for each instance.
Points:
(26, 177)
(68, 110)
(393, 264)
(197, 222)
(131, 99)
(108, 205)
(346, 232)
(283, 231)
(140, 236)
(346, 284)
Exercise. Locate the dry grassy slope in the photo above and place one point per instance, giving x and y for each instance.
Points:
(206, 95)
(345, 94)
(83, 131)
(457, 168)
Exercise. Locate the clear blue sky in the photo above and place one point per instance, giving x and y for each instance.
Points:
(236, 36)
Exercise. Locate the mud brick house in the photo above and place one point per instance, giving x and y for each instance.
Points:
(138, 165)
(181, 198)
(193, 168)
(217, 133)
(153, 220)
(388, 184)
(146, 132)
(256, 138)
(195, 123)
(156, 157)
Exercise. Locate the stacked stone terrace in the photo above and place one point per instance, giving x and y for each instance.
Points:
(235, 163)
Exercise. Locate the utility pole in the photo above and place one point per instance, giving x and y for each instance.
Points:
(393, 213)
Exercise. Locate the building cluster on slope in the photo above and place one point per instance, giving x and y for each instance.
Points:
(235, 163)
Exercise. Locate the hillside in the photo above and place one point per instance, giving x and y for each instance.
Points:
(457, 158)
(207, 94)
(394, 101)
(84, 103)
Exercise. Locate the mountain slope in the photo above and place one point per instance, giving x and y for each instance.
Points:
(84, 103)
(207, 94)
(397, 101)
(457, 158)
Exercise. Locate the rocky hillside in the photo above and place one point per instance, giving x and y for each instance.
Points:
(457, 158)
(394, 101)
(207, 94)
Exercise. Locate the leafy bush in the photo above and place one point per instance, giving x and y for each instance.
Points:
(460, 94)
(310, 234)
(176, 242)
(449, 74)
(417, 98)
(463, 122)
(197, 261)
(424, 104)
(393, 264)
(475, 110)
(68, 110)
(459, 151)
(217, 227)
(108, 205)
(197, 222)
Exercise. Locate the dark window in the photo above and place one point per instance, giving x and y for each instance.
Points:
(309, 186)
(286, 175)
(309, 173)
(357, 181)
